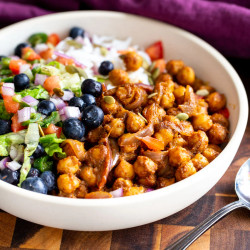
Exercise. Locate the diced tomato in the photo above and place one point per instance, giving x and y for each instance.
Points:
(65, 61)
(161, 64)
(152, 143)
(29, 54)
(155, 51)
(51, 83)
(53, 129)
(225, 112)
(15, 125)
(10, 105)
(15, 65)
(47, 54)
(54, 39)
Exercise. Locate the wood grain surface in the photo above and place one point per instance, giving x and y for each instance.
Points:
(233, 232)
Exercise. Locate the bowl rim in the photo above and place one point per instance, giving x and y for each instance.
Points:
(149, 196)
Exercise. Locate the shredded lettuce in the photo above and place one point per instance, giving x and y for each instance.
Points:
(37, 92)
(31, 140)
(51, 145)
(53, 118)
(3, 113)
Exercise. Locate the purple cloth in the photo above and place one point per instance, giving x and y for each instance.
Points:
(224, 25)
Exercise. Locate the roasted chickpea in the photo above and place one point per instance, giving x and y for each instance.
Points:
(210, 89)
(164, 182)
(164, 135)
(88, 175)
(81, 191)
(68, 165)
(109, 108)
(133, 191)
(217, 134)
(122, 183)
(96, 134)
(185, 170)
(198, 141)
(134, 123)
(116, 128)
(68, 183)
(164, 77)
(174, 66)
(98, 195)
(167, 100)
(202, 122)
(201, 107)
(125, 170)
(118, 77)
(186, 76)
(178, 155)
(178, 141)
(144, 166)
(179, 93)
(211, 152)
(148, 181)
(216, 101)
(199, 161)
(132, 60)
(127, 148)
(221, 119)
(154, 113)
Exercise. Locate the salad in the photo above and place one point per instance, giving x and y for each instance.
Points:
(95, 117)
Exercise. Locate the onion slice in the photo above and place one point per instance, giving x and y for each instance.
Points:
(31, 101)
(40, 79)
(24, 114)
(3, 163)
(13, 165)
(72, 112)
(8, 91)
(67, 95)
(60, 104)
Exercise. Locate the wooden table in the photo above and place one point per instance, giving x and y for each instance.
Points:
(233, 232)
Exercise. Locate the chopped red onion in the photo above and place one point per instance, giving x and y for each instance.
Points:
(13, 165)
(23, 68)
(24, 114)
(40, 79)
(70, 111)
(61, 112)
(13, 152)
(15, 57)
(41, 47)
(149, 190)
(58, 102)
(67, 95)
(3, 163)
(9, 85)
(31, 101)
(63, 118)
(117, 193)
(8, 91)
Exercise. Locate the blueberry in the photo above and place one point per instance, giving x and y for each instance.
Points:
(4, 127)
(21, 82)
(77, 102)
(46, 107)
(73, 128)
(19, 47)
(76, 31)
(35, 184)
(9, 176)
(49, 180)
(92, 116)
(88, 99)
(105, 68)
(92, 87)
(33, 172)
(39, 151)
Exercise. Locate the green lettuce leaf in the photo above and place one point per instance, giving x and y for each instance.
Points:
(37, 92)
(53, 118)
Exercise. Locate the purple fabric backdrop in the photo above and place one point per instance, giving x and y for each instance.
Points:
(224, 24)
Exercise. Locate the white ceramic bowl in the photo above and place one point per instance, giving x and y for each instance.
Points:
(111, 214)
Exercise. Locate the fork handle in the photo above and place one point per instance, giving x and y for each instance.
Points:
(190, 237)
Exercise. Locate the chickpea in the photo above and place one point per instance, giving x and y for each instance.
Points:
(134, 123)
(174, 66)
(109, 108)
(221, 119)
(144, 166)
(179, 93)
(216, 101)
(81, 191)
(167, 100)
(164, 135)
(88, 175)
(164, 77)
(122, 183)
(68, 183)
(185, 170)
(125, 170)
(210, 89)
(118, 77)
(68, 165)
(127, 148)
(164, 182)
(98, 195)
(186, 76)
(177, 156)
(201, 107)
(217, 134)
(178, 141)
(211, 152)
(148, 181)
(198, 141)
(96, 134)
(132, 60)
(202, 122)
(116, 128)
(153, 113)
(173, 111)
(133, 191)
(199, 161)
